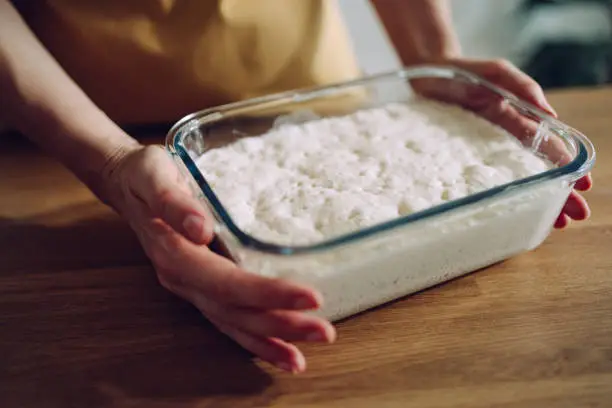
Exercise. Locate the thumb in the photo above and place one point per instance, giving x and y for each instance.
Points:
(162, 187)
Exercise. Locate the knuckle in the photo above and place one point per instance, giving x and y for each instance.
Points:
(164, 200)
(171, 202)
(153, 152)
(235, 288)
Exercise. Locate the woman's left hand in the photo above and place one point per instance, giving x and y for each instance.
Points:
(507, 76)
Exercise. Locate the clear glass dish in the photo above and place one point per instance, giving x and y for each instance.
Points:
(383, 262)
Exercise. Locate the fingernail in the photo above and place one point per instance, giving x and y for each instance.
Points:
(194, 225)
(584, 184)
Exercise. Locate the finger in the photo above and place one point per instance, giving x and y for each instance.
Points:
(182, 212)
(226, 283)
(493, 108)
(576, 207)
(283, 355)
(219, 279)
(283, 324)
(562, 221)
(161, 187)
(273, 350)
(526, 131)
(584, 184)
(508, 76)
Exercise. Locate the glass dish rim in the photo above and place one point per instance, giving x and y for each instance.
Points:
(578, 167)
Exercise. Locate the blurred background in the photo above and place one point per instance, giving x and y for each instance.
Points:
(561, 43)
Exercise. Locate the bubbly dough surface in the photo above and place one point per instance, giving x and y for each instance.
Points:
(303, 183)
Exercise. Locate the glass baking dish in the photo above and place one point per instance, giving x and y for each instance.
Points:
(375, 265)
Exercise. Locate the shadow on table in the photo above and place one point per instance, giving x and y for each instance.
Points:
(100, 240)
(84, 322)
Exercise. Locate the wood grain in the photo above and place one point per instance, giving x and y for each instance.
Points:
(83, 322)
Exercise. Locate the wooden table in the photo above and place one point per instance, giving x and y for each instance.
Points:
(83, 322)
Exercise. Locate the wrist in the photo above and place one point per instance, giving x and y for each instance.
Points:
(430, 58)
(104, 181)
(89, 144)
(433, 49)
(422, 32)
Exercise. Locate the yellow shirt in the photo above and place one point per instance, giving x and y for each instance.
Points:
(147, 61)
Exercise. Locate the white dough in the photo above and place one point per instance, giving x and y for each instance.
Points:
(303, 183)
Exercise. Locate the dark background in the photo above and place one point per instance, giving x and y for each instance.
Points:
(568, 63)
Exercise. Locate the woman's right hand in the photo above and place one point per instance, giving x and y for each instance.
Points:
(264, 315)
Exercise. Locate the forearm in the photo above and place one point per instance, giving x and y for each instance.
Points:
(40, 100)
(420, 30)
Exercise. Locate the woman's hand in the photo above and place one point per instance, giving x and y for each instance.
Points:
(143, 185)
(263, 315)
(422, 33)
(483, 102)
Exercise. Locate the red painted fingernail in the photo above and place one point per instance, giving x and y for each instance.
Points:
(562, 222)
(584, 184)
